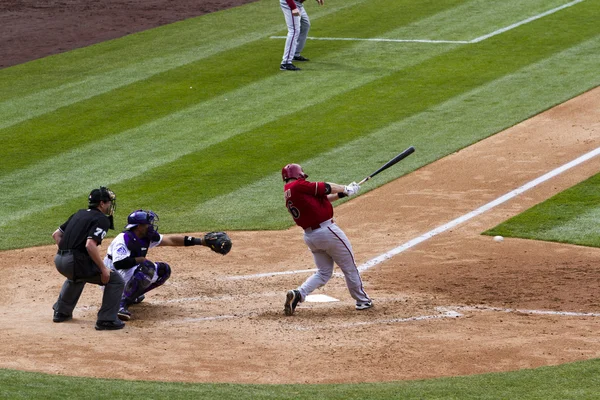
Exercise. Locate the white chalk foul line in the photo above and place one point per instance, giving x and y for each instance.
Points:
(201, 319)
(520, 311)
(380, 40)
(269, 274)
(476, 40)
(523, 22)
(445, 314)
(452, 224)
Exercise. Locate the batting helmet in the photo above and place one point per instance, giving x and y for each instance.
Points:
(293, 171)
(102, 194)
(140, 217)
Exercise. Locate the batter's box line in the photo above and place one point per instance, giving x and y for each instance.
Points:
(476, 40)
(445, 314)
(519, 311)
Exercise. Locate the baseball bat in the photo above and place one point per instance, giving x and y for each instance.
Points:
(388, 164)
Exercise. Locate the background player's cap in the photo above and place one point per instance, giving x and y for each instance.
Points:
(293, 171)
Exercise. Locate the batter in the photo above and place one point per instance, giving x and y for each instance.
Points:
(309, 203)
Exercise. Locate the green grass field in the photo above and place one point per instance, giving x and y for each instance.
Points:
(195, 121)
(569, 381)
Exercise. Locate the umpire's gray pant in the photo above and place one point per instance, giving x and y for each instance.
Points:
(72, 289)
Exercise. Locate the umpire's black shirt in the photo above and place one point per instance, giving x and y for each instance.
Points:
(81, 226)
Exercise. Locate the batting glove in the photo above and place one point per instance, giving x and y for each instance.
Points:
(352, 189)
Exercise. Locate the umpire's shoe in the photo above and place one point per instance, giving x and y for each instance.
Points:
(109, 325)
(289, 67)
(61, 317)
(292, 298)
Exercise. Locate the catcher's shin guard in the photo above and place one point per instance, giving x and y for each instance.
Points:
(139, 282)
(163, 270)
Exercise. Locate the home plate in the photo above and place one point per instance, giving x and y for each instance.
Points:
(320, 298)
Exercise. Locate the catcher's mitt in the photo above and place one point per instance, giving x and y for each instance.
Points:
(218, 242)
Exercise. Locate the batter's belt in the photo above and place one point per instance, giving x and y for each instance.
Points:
(323, 224)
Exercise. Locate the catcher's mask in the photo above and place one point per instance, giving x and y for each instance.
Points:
(103, 194)
(293, 171)
(139, 217)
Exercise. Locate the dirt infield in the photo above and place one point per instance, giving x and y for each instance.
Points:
(31, 29)
(457, 303)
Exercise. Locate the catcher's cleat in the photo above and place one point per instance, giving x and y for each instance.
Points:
(61, 317)
(300, 58)
(109, 325)
(124, 314)
(364, 306)
(139, 299)
(289, 67)
(291, 301)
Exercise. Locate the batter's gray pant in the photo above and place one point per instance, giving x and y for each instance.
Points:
(72, 289)
(329, 244)
(298, 27)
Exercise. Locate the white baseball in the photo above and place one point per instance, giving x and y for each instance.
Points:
(498, 238)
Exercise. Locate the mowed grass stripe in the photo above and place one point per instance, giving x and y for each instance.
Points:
(173, 136)
(436, 132)
(127, 62)
(133, 105)
(177, 134)
(371, 107)
(169, 44)
(180, 207)
(466, 20)
(368, 108)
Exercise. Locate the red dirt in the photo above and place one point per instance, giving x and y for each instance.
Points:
(203, 327)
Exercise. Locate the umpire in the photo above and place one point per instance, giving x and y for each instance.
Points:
(78, 259)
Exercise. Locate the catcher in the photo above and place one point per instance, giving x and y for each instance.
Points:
(127, 255)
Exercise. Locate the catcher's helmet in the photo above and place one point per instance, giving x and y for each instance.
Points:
(293, 171)
(102, 194)
(139, 217)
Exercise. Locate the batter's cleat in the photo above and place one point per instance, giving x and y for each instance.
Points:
(61, 317)
(292, 298)
(139, 299)
(124, 314)
(364, 306)
(300, 58)
(289, 67)
(109, 325)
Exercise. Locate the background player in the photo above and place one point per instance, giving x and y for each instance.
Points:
(298, 25)
(78, 259)
(309, 203)
(127, 255)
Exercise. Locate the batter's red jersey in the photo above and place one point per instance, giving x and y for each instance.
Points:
(307, 202)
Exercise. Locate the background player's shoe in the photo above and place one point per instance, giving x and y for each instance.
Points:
(109, 325)
(124, 314)
(292, 298)
(139, 299)
(364, 306)
(289, 67)
(61, 317)
(300, 58)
